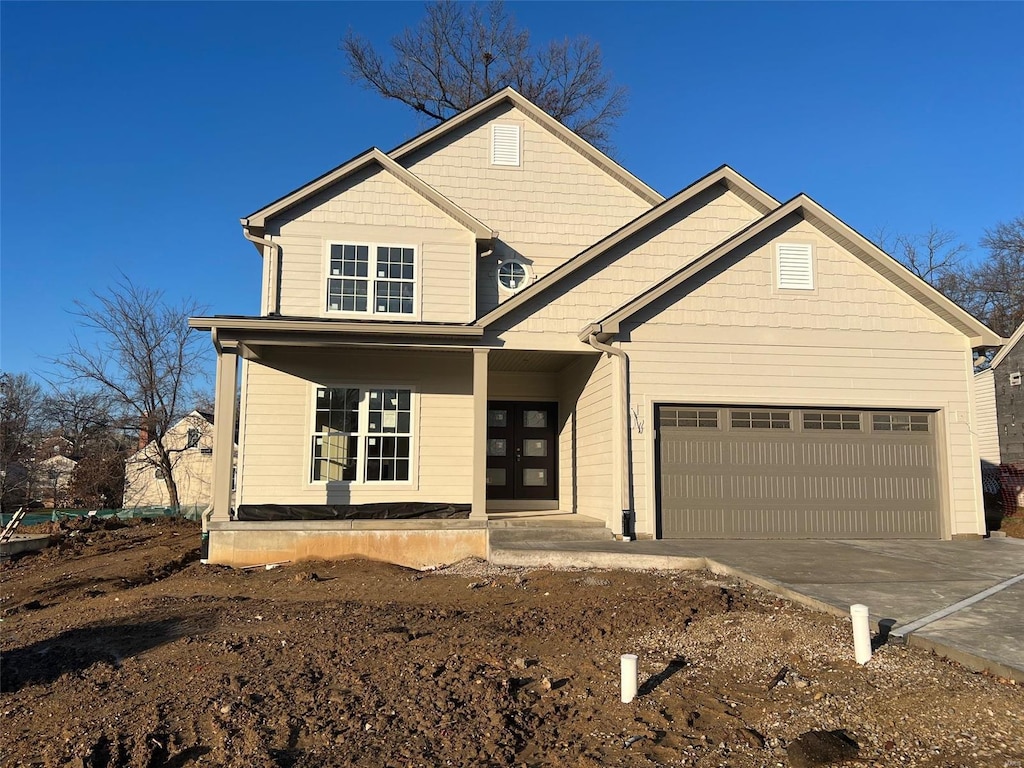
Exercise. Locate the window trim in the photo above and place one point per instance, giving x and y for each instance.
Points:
(371, 278)
(527, 280)
(362, 432)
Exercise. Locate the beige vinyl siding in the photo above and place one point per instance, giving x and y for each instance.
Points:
(985, 404)
(854, 341)
(278, 424)
(626, 271)
(550, 207)
(372, 206)
(594, 438)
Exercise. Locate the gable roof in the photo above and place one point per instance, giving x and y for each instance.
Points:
(1010, 344)
(373, 156)
(542, 118)
(840, 232)
(723, 175)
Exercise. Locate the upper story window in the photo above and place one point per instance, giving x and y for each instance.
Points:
(513, 275)
(193, 438)
(370, 278)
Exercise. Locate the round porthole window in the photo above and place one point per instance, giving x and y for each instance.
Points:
(512, 275)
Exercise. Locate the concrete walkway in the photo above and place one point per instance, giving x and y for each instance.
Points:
(930, 591)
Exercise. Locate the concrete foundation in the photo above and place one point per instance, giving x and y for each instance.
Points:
(21, 543)
(412, 543)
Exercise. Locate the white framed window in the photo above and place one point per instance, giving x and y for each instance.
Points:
(505, 144)
(794, 266)
(362, 435)
(371, 278)
(513, 275)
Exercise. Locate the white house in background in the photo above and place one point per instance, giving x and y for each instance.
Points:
(191, 441)
(497, 315)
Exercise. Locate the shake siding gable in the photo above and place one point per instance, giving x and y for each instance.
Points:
(558, 315)
(372, 206)
(550, 207)
(728, 336)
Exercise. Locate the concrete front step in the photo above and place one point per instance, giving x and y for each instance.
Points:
(520, 535)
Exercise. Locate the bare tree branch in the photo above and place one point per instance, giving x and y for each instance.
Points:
(146, 361)
(460, 53)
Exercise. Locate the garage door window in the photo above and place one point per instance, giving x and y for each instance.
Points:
(760, 420)
(847, 422)
(900, 422)
(687, 417)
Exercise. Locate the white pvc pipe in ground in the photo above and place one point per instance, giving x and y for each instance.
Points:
(861, 633)
(629, 676)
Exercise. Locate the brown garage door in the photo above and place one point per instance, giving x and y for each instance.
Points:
(752, 472)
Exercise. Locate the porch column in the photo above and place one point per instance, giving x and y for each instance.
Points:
(479, 511)
(223, 433)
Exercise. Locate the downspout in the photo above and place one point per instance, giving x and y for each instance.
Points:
(622, 408)
(274, 308)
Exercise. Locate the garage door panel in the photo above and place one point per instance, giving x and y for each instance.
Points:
(842, 479)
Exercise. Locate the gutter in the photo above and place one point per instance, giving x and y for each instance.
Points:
(621, 411)
(274, 307)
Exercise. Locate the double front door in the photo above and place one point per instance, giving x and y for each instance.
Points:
(522, 450)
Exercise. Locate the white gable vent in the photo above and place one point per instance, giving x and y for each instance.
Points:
(794, 266)
(504, 144)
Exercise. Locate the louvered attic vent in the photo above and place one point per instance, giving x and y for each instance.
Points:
(504, 145)
(794, 266)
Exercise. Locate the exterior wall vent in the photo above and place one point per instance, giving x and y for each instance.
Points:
(505, 145)
(794, 266)
(1015, 379)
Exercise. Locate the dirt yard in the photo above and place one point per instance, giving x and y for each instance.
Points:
(120, 649)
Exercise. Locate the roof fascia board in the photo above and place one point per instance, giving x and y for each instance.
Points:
(258, 219)
(917, 288)
(257, 324)
(612, 320)
(542, 118)
(929, 297)
(723, 175)
(1011, 342)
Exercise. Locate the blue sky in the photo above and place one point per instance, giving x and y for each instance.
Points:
(134, 135)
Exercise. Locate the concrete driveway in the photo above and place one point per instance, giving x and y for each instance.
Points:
(963, 599)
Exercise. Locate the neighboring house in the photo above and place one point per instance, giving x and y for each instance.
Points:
(53, 480)
(1000, 393)
(496, 314)
(1006, 370)
(191, 441)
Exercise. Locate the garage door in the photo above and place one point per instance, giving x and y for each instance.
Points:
(750, 472)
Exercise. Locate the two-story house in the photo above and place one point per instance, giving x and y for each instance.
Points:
(497, 316)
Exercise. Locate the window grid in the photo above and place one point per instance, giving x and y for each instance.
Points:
(390, 269)
(760, 420)
(335, 435)
(686, 417)
(847, 422)
(900, 422)
(362, 435)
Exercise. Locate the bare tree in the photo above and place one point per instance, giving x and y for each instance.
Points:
(461, 53)
(936, 256)
(20, 398)
(991, 289)
(146, 361)
(999, 280)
